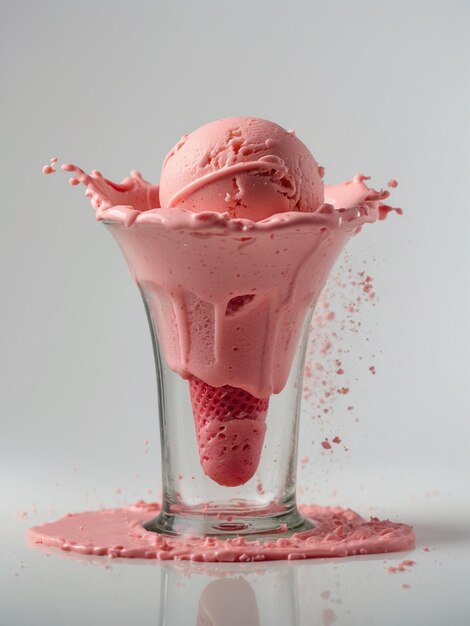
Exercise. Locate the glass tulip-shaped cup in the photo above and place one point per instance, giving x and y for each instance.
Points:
(229, 304)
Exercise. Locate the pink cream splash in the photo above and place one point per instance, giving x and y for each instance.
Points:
(145, 196)
(119, 533)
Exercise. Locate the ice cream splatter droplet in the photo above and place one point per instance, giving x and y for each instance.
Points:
(50, 167)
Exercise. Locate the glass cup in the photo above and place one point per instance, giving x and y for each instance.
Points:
(205, 291)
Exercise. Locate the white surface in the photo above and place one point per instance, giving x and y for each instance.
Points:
(369, 86)
(63, 588)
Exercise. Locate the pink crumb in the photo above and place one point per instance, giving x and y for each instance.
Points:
(326, 347)
(405, 586)
(392, 183)
(336, 439)
(325, 594)
(328, 617)
(384, 210)
(425, 549)
(326, 444)
(259, 488)
(401, 567)
(372, 369)
(343, 390)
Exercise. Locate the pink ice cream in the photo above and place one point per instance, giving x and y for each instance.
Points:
(248, 168)
(230, 255)
(229, 295)
(244, 166)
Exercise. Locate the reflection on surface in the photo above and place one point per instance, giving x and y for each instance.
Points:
(228, 602)
(254, 596)
(316, 592)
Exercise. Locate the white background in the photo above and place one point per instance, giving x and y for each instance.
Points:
(378, 87)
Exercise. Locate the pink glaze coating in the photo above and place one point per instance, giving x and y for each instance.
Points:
(245, 166)
(119, 533)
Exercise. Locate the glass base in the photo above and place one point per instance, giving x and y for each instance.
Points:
(251, 523)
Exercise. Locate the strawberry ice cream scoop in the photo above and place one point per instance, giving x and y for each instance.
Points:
(249, 168)
(244, 166)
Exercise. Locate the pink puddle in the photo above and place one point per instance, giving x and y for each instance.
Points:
(119, 533)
